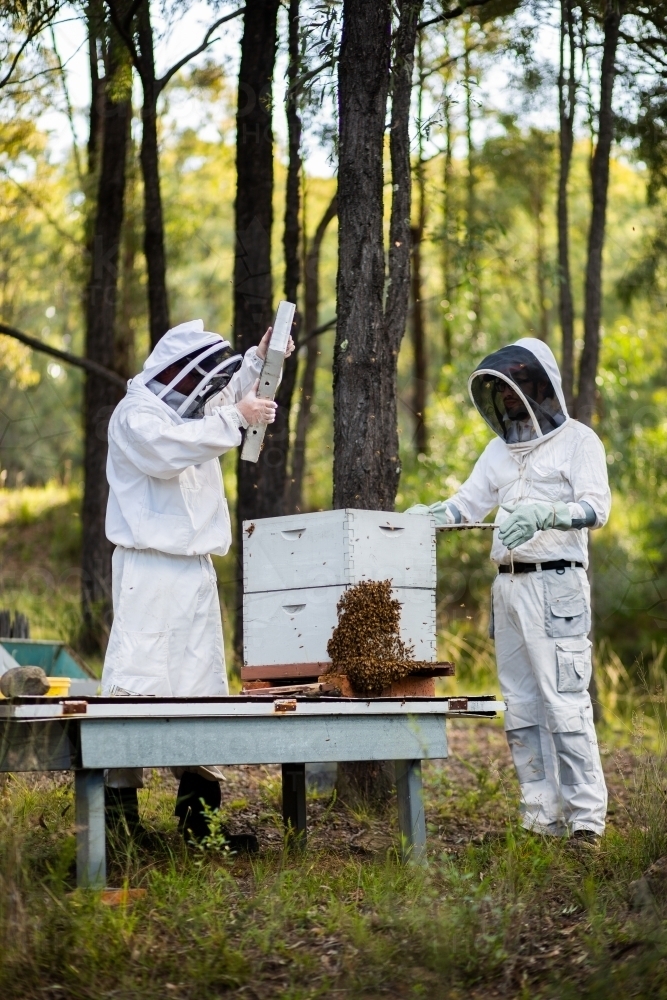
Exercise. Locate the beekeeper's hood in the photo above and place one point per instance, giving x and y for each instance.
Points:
(200, 353)
(518, 391)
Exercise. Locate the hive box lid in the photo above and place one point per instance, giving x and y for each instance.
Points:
(336, 548)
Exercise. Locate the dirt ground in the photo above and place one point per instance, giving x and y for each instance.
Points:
(470, 797)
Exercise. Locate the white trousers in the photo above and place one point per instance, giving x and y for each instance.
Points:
(541, 622)
(166, 638)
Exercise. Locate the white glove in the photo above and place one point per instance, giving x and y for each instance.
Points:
(255, 410)
(442, 511)
(528, 518)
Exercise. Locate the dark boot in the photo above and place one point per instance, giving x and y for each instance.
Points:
(121, 812)
(195, 793)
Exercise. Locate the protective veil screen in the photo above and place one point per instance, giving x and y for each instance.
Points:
(514, 394)
(216, 365)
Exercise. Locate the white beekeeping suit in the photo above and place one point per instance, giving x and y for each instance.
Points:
(547, 473)
(166, 515)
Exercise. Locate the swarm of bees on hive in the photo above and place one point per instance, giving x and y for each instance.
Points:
(366, 644)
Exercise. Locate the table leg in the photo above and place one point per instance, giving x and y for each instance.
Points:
(411, 821)
(91, 865)
(294, 801)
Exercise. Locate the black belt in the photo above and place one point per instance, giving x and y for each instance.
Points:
(559, 564)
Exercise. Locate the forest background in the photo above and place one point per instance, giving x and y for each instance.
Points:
(484, 147)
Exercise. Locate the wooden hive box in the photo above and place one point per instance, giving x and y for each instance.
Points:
(296, 568)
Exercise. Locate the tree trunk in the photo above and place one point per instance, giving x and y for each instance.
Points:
(599, 191)
(253, 221)
(566, 105)
(95, 19)
(471, 197)
(273, 460)
(154, 250)
(447, 284)
(131, 291)
(418, 325)
(400, 235)
(311, 282)
(100, 395)
(541, 269)
(366, 465)
(366, 462)
(418, 331)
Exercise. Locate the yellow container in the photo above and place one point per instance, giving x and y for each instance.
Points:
(58, 687)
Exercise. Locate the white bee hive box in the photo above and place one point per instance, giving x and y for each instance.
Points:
(296, 568)
(335, 548)
(294, 626)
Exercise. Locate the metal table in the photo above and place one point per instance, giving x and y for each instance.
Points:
(87, 736)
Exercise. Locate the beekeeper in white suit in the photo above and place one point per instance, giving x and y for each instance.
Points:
(167, 515)
(547, 474)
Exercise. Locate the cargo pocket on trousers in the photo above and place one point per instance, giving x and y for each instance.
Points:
(139, 661)
(526, 747)
(573, 662)
(575, 759)
(565, 605)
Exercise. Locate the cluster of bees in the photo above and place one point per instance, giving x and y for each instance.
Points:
(366, 644)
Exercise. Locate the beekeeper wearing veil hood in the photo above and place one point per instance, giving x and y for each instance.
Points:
(167, 515)
(547, 474)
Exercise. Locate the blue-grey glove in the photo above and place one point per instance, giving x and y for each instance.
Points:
(527, 518)
(443, 511)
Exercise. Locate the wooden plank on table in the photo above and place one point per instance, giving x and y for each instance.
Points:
(292, 738)
(245, 706)
(275, 671)
(293, 671)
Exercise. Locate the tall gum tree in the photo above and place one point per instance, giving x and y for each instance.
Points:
(133, 23)
(311, 282)
(585, 408)
(100, 394)
(272, 469)
(368, 334)
(253, 290)
(567, 93)
(369, 331)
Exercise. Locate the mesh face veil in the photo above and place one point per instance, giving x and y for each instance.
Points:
(215, 364)
(514, 394)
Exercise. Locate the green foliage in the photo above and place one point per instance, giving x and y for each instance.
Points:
(40, 548)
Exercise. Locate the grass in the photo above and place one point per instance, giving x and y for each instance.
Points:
(40, 540)
(496, 912)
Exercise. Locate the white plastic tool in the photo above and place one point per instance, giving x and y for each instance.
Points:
(270, 377)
